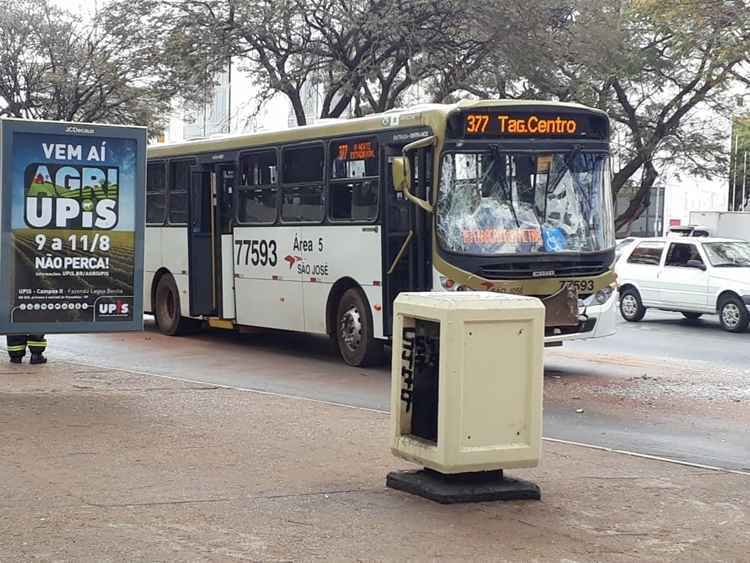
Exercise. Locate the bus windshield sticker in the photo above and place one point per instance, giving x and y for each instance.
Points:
(501, 236)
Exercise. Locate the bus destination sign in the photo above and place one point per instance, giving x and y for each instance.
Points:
(360, 150)
(532, 124)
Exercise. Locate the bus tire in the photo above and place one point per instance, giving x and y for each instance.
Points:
(167, 309)
(354, 331)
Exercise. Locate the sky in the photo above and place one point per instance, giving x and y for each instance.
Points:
(87, 7)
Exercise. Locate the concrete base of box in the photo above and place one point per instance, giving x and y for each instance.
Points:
(463, 487)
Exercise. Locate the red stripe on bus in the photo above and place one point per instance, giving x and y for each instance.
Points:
(376, 283)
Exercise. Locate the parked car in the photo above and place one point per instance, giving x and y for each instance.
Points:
(695, 276)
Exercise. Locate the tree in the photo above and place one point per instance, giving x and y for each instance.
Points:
(54, 66)
(367, 54)
(650, 64)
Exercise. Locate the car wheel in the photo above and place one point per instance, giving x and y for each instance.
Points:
(733, 314)
(692, 316)
(631, 307)
(167, 309)
(354, 331)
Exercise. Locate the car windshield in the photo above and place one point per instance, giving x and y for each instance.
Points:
(728, 254)
(494, 202)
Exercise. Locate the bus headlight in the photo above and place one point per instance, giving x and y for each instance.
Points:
(448, 284)
(600, 297)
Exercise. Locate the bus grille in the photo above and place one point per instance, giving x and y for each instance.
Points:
(526, 271)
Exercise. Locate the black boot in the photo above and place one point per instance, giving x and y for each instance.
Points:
(16, 359)
(38, 359)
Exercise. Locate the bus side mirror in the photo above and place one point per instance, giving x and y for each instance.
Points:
(406, 185)
(401, 173)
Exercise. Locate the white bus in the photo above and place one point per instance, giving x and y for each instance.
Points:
(318, 228)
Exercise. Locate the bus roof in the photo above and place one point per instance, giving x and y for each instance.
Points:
(415, 116)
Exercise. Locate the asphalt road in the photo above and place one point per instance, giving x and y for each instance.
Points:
(665, 387)
(670, 335)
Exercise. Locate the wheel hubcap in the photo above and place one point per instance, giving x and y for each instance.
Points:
(629, 306)
(350, 329)
(730, 314)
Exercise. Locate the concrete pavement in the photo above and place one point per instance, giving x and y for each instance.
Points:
(100, 464)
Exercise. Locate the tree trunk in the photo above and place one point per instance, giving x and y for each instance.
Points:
(297, 106)
(640, 201)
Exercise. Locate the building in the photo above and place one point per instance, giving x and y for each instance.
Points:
(233, 109)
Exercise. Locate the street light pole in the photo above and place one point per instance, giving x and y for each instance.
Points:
(733, 177)
(657, 222)
(744, 182)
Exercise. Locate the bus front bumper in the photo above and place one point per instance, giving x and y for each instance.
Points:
(596, 321)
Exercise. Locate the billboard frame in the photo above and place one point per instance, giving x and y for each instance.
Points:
(10, 127)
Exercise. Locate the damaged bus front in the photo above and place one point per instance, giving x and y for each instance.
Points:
(524, 205)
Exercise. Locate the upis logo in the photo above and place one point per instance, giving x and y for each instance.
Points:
(114, 309)
(119, 307)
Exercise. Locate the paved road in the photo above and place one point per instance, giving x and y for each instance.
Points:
(670, 335)
(664, 387)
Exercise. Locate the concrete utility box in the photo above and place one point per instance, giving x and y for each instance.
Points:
(467, 376)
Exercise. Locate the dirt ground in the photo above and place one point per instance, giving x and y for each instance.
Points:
(100, 464)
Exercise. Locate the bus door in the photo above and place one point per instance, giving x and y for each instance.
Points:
(209, 241)
(407, 233)
(225, 181)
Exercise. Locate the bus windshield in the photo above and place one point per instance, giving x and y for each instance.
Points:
(492, 202)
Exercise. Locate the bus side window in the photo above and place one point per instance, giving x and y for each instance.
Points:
(257, 194)
(304, 200)
(179, 181)
(354, 187)
(156, 193)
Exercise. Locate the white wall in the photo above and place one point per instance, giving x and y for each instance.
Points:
(690, 193)
(233, 110)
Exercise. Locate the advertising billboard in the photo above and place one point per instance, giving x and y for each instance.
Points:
(72, 224)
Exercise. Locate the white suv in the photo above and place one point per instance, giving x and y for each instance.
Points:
(694, 276)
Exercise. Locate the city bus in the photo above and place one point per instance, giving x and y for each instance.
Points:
(318, 228)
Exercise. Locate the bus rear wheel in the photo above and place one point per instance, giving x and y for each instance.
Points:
(354, 331)
(167, 309)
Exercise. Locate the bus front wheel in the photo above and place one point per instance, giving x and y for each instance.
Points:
(354, 331)
(167, 309)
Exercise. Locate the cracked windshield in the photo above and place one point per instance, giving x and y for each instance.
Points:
(521, 203)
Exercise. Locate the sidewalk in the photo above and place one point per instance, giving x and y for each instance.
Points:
(106, 465)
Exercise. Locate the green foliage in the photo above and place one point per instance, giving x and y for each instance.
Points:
(654, 65)
(651, 64)
(56, 66)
